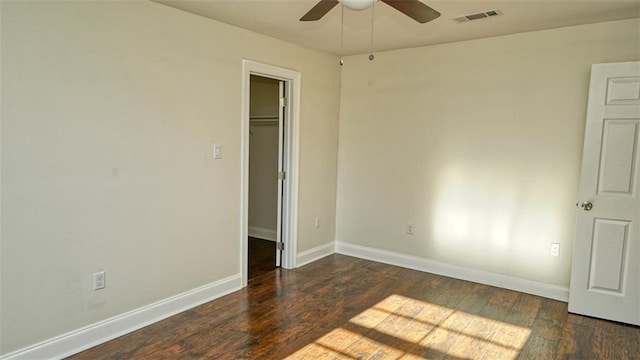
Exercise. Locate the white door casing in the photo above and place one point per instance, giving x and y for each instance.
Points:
(289, 224)
(605, 276)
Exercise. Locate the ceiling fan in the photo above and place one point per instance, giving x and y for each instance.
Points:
(412, 8)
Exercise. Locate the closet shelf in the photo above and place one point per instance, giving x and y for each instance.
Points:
(262, 119)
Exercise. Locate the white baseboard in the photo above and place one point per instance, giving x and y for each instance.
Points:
(263, 233)
(103, 331)
(483, 277)
(314, 254)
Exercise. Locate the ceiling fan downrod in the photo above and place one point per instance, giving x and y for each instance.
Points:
(371, 57)
(342, 38)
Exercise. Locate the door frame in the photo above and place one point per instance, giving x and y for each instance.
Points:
(291, 146)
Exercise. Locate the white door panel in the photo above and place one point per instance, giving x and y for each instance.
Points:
(609, 255)
(605, 277)
(619, 143)
(623, 91)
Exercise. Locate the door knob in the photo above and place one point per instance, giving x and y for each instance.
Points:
(586, 206)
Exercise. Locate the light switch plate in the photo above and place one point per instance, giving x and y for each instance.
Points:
(555, 249)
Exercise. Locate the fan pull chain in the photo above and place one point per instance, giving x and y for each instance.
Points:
(371, 57)
(342, 36)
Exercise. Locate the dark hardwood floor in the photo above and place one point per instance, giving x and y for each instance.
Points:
(346, 308)
(262, 257)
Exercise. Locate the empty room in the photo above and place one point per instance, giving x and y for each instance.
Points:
(319, 179)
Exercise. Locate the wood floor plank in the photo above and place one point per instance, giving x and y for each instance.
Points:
(346, 308)
(261, 256)
(524, 310)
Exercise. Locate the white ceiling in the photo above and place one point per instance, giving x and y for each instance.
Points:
(393, 30)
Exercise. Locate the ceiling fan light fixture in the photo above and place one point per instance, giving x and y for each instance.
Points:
(357, 4)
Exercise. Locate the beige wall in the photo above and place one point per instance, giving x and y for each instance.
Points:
(109, 114)
(478, 143)
(263, 154)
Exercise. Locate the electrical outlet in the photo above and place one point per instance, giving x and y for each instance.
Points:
(99, 280)
(555, 249)
(410, 228)
(317, 223)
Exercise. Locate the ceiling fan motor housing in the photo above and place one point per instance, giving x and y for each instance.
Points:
(357, 4)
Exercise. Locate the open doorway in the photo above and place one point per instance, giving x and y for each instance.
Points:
(286, 175)
(265, 153)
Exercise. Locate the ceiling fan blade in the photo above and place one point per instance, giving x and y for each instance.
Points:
(414, 9)
(318, 11)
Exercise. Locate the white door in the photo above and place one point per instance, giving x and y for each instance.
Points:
(281, 171)
(605, 277)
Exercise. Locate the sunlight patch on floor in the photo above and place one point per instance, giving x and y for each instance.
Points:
(399, 327)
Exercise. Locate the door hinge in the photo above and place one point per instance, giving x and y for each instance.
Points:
(280, 245)
(284, 102)
(282, 175)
